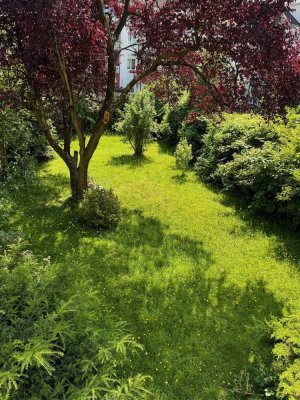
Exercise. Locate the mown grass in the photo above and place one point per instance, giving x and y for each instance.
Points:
(194, 276)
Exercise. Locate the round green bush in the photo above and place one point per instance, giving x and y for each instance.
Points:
(100, 208)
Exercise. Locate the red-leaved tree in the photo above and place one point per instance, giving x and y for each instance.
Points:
(236, 54)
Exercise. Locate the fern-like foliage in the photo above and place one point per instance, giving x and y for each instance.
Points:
(53, 343)
(286, 333)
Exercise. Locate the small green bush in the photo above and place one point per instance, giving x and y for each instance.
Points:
(138, 122)
(173, 119)
(21, 145)
(229, 137)
(193, 129)
(100, 208)
(183, 155)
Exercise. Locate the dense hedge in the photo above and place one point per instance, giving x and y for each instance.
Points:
(261, 160)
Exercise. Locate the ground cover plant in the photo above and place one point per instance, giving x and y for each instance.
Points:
(194, 276)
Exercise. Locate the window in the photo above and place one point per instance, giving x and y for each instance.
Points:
(131, 64)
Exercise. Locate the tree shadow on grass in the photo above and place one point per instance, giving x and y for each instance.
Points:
(284, 237)
(199, 329)
(130, 160)
(165, 148)
(180, 178)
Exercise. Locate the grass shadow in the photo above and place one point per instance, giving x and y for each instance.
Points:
(130, 160)
(165, 148)
(180, 178)
(285, 238)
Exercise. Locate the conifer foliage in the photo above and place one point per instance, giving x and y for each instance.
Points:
(138, 123)
(55, 346)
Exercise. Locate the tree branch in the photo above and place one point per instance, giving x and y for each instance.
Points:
(123, 19)
(72, 105)
(101, 13)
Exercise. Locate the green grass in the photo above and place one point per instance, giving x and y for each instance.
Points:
(193, 275)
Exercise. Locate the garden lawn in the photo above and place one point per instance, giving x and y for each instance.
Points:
(193, 275)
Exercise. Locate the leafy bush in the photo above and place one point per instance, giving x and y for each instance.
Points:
(138, 122)
(20, 144)
(286, 333)
(260, 160)
(183, 155)
(100, 208)
(228, 137)
(53, 345)
(193, 129)
(173, 119)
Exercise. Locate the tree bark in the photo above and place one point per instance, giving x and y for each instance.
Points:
(3, 156)
(78, 177)
(79, 182)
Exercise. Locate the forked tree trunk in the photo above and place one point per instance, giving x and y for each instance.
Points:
(78, 180)
(78, 176)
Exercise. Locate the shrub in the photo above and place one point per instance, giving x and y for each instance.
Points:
(183, 155)
(52, 344)
(138, 122)
(20, 144)
(260, 160)
(228, 137)
(173, 119)
(100, 208)
(286, 333)
(193, 129)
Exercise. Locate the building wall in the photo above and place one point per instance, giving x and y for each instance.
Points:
(296, 10)
(127, 61)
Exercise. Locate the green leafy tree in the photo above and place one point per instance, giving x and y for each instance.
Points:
(138, 123)
(183, 155)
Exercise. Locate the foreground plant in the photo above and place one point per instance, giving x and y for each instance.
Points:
(54, 347)
(286, 333)
(55, 53)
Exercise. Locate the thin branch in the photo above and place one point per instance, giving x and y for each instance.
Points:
(123, 19)
(134, 81)
(211, 87)
(127, 47)
(101, 13)
(72, 106)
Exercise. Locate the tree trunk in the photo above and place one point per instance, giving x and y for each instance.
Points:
(78, 180)
(3, 156)
(139, 144)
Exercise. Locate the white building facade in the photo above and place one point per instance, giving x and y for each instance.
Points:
(128, 60)
(296, 11)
